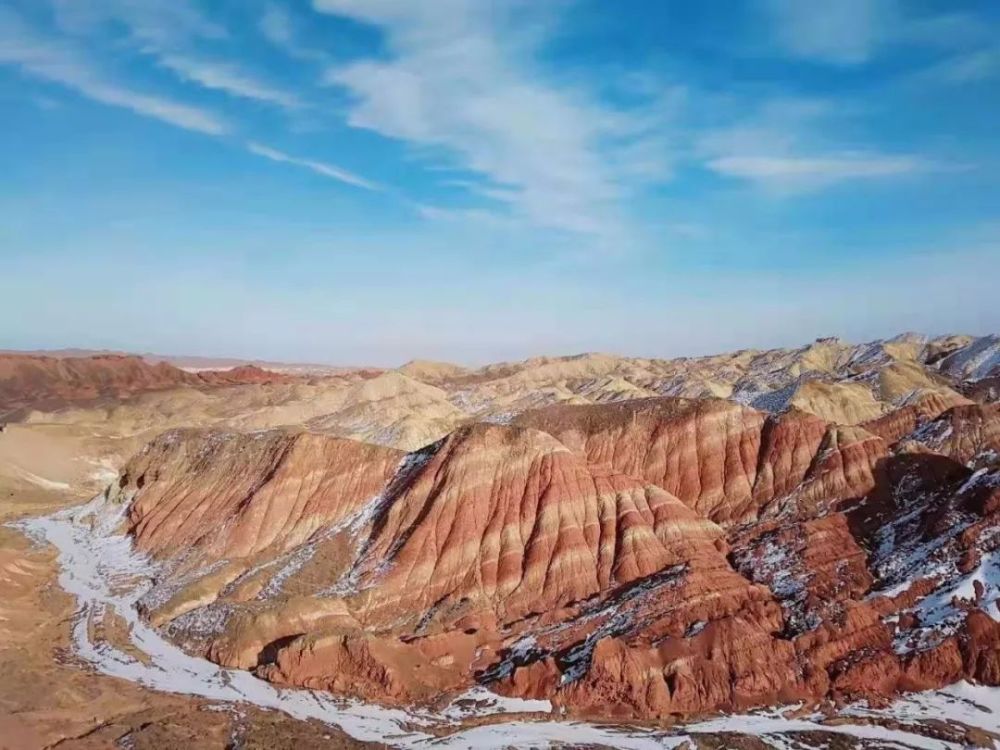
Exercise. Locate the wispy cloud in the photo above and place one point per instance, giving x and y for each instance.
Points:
(276, 25)
(813, 172)
(785, 146)
(436, 213)
(280, 28)
(320, 168)
(462, 84)
(168, 32)
(153, 24)
(65, 65)
(845, 32)
(228, 78)
(968, 67)
(854, 32)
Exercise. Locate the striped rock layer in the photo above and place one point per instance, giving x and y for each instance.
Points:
(652, 558)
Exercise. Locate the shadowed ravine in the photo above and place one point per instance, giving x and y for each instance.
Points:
(100, 569)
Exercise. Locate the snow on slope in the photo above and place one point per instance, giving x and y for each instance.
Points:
(102, 570)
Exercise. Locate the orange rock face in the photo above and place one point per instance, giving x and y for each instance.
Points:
(244, 375)
(652, 558)
(901, 422)
(728, 462)
(230, 495)
(30, 380)
(37, 381)
(963, 432)
(509, 519)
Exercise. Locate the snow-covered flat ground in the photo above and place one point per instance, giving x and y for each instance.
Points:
(101, 570)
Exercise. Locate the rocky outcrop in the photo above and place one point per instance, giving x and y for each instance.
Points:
(977, 360)
(726, 461)
(918, 411)
(498, 555)
(392, 409)
(985, 391)
(930, 528)
(358, 664)
(43, 382)
(644, 557)
(245, 375)
(968, 433)
(495, 535)
(220, 495)
(508, 519)
(40, 381)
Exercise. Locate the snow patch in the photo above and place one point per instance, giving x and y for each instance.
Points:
(102, 570)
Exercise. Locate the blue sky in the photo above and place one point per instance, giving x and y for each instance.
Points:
(366, 181)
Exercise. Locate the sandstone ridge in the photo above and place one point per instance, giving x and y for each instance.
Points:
(650, 558)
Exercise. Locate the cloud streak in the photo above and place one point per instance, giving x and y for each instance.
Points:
(63, 64)
(321, 168)
(813, 172)
(968, 67)
(784, 146)
(229, 79)
(462, 86)
(152, 24)
(167, 32)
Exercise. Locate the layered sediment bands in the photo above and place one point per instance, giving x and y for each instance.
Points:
(222, 495)
(688, 639)
(728, 666)
(985, 391)
(38, 381)
(930, 528)
(575, 555)
(509, 519)
(726, 461)
(819, 572)
(31, 380)
(813, 567)
(494, 535)
(356, 663)
(843, 469)
(900, 422)
(965, 433)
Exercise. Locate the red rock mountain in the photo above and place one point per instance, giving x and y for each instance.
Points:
(44, 382)
(652, 558)
(625, 537)
(729, 462)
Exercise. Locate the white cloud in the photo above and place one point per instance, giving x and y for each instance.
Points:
(954, 31)
(279, 27)
(784, 146)
(812, 172)
(461, 83)
(65, 65)
(154, 24)
(276, 25)
(436, 213)
(977, 65)
(228, 78)
(843, 32)
(320, 168)
(853, 32)
(167, 31)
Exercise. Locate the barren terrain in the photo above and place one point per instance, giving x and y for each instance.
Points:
(510, 555)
